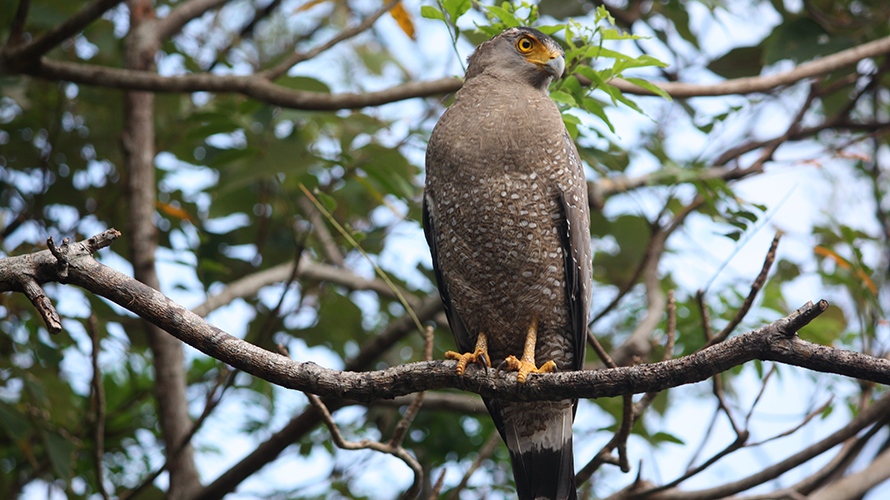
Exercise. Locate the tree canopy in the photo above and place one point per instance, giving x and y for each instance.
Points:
(245, 177)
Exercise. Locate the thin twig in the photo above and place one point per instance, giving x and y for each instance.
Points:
(396, 451)
(297, 57)
(355, 244)
(438, 486)
(749, 300)
(17, 30)
(647, 399)
(705, 316)
(763, 384)
(209, 405)
(671, 327)
(404, 424)
(484, 453)
(331, 249)
(247, 30)
(813, 414)
(98, 407)
(183, 13)
(706, 436)
(32, 52)
(600, 352)
(765, 83)
(627, 422)
(717, 389)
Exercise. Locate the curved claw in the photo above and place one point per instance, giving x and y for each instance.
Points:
(478, 356)
(525, 367)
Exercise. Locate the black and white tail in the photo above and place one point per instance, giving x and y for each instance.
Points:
(539, 437)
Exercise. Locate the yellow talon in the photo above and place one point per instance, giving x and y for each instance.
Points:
(527, 364)
(477, 356)
(525, 367)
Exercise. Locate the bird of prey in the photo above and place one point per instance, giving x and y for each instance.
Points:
(506, 217)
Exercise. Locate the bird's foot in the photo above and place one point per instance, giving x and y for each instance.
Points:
(479, 356)
(525, 367)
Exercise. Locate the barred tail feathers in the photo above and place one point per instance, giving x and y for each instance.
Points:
(539, 439)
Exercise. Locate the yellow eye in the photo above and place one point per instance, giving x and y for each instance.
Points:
(525, 44)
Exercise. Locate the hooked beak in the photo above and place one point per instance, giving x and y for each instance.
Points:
(555, 66)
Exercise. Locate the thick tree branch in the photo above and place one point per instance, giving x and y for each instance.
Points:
(776, 342)
(260, 88)
(251, 86)
(139, 150)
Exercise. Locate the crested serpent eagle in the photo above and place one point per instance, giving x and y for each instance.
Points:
(506, 217)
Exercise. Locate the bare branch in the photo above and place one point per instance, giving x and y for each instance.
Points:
(404, 424)
(247, 30)
(300, 425)
(705, 316)
(605, 187)
(671, 327)
(296, 58)
(389, 448)
(249, 285)
(321, 230)
(251, 86)
(438, 486)
(25, 60)
(765, 83)
(31, 52)
(181, 15)
(485, 452)
(44, 306)
(861, 421)
(638, 344)
(766, 378)
(813, 414)
(465, 404)
(776, 341)
(17, 30)
(97, 405)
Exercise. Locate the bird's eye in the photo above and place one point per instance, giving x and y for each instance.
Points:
(525, 44)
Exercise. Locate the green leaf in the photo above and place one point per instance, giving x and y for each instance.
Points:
(550, 30)
(613, 34)
(664, 437)
(505, 16)
(456, 8)
(802, 39)
(563, 98)
(14, 423)
(329, 203)
(739, 62)
(649, 86)
(598, 51)
(430, 12)
(61, 454)
(303, 83)
(734, 235)
(593, 106)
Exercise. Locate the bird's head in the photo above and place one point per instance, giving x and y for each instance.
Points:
(519, 54)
